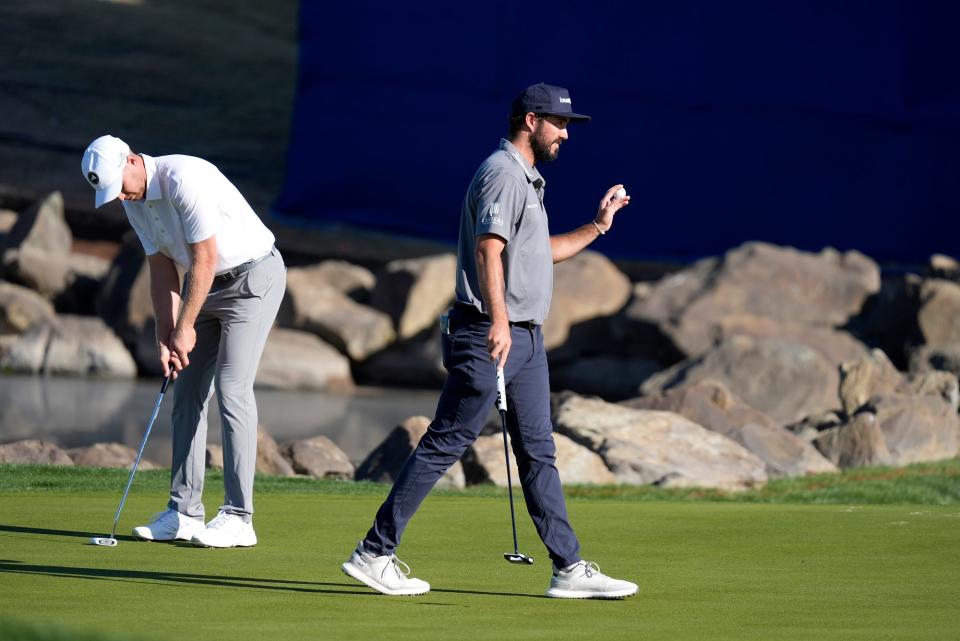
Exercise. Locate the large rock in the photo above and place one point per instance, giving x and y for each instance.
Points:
(484, 462)
(35, 452)
(6, 342)
(126, 306)
(586, 287)
(945, 267)
(318, 457)
(34, 252)
(109, 455)
(874, 376)
(298, 360)
(824, 289)
(665, 300)
(21, 307)
(27, 353)
(417, 362)
(213, 459)
(353, 280)
(414, 292)
(8, 219)
(810, 427)
(70, 345)
(661, 448)
(858, 443)
(835, 346)
(48, 274)
(85, 346)
(611, 377)
(869, 376)
(936, 383)
(938, 318)
(917, 427)
(85, 274)
(384, 463)
(713, 406)
(42, 226)
(269, 459)
(312, 306)
(88, 266)
(936, 357)
(916, 421)
(786, 381)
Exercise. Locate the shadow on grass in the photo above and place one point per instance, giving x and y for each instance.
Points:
(20, 529)
(10, 566)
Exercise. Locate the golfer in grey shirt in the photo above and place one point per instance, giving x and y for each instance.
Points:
(504, 284)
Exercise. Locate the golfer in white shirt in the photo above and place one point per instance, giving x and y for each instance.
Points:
(210, 331)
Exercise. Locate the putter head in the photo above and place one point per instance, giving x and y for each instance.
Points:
(516, 557)
(103, 540)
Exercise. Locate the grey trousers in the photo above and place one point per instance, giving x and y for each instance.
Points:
(232, 330)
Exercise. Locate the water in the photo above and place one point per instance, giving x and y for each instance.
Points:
(74, 412)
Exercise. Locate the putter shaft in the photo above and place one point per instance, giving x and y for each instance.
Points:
(516, 557)
(136, 463)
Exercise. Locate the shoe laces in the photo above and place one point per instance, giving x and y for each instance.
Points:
(401, 568)
(220, 521)
(589, 568)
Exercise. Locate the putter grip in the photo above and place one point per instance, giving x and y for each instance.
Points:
(501, 391)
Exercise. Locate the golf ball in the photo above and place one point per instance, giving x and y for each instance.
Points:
(620, 194)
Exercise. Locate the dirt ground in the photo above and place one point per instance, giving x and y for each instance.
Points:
(211, 78)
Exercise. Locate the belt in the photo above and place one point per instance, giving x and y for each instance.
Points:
(472, 313)
(242, 268)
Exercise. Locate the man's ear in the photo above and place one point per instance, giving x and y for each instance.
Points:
(530, 120)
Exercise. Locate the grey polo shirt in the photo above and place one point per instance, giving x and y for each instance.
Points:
(505, 198)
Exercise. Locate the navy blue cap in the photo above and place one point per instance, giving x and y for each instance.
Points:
(545, 99)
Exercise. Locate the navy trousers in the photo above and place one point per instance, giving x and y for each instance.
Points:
(469, 392)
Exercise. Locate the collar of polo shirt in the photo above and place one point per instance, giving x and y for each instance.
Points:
(533, 175)
(153, 184)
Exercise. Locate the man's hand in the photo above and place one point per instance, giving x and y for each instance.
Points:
(609, 206)
(182, 342)
(499, 341)
(169, 361)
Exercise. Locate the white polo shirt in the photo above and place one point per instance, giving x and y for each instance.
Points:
(189, 200)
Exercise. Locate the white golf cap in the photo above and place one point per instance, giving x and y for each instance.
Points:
(102, 166)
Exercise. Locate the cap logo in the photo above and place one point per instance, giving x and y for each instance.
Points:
(566, 100)
(93, 178)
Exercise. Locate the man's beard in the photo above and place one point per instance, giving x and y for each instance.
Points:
(541, 148)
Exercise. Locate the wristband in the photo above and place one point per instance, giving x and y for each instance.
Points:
(602, 233)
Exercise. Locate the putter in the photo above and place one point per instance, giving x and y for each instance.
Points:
(515, 556)
(111, 541)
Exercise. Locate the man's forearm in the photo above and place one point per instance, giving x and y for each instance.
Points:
(203, 265)
(564, 246)
(165, 294)
(490, 272)
(199, 280)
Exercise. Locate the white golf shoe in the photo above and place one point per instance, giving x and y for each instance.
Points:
(169, 525)
(386, 574)
(584, 580)
(226, 531)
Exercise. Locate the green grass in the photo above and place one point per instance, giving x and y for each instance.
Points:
(710, 566)
(935, 483)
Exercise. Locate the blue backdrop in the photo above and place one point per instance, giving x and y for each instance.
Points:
(806, 123)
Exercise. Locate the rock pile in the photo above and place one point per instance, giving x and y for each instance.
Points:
(761, 363)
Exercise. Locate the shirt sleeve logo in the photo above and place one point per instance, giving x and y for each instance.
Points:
(492, 217)
(93, 178)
